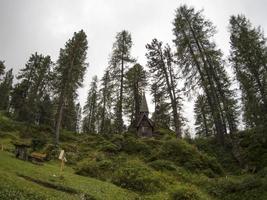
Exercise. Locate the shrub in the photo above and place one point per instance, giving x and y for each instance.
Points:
(97, 169)
(135, 146)
(138, 177)
(162, 165)
(38, 143)
(185, 193)
(110, 148)
(186, 155)
(246, 188)
(254, 144)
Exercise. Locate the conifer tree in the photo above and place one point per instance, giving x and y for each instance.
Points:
(105, 104)
(35, 83)
(78, 117)
(90, 108)
(161, 115)
(135, 83)
(69, 73)
(162, 67)
(5, 91)
(119, 61)
(203, 67)
(2, 68)
(46, 111)
(203, 119)
(69, 119)
(249, 60)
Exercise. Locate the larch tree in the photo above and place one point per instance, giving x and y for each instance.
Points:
(120, 58)
(203, 67)
(35, 81)
(2, 68)
(69, 73)
(161, 115)
(105, 103)
(90, 109)
(5, 91)
(135, 83)
(162, 67)
(69, 117)
(248, 57)
(203, 118)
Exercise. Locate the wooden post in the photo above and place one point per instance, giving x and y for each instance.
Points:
(62, 165)
(63, 160)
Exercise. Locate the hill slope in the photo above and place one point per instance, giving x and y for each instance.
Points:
(121, 167)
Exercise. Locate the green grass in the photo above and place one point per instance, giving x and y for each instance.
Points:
(142, 168)
(11, 167)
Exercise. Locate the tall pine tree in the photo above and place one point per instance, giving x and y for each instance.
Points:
(91, 108)
(203, 118)
(203, 67)
(135, 83)
(120, 58)
(105, 103)
(69, 73)
(162, 67)
(5, 91)
(35, 83)
(249, 60)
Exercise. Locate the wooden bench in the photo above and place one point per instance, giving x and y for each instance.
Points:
(37, 158)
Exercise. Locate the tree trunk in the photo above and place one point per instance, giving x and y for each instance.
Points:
(210, 98)
(59, 117)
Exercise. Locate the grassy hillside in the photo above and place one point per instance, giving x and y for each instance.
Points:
(123, 167)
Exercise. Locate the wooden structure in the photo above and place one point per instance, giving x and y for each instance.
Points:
(38, 157)
(21, 150)
(145, 127)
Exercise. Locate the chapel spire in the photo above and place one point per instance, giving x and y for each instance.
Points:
(143, 106)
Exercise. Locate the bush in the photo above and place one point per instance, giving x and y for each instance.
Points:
(38, 143)
(185, 193)
(135, 146)
(138, 177)
(110, 148)
(186, 155)
(246, 188)
(254, 144)
(162, 165)
(98, 169)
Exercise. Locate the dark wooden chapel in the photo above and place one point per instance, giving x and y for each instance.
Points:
(145, 126)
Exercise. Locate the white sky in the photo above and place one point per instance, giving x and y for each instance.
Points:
(44, 26)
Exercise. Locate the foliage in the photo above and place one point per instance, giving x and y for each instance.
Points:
(248, 58)
(69, 73)
(90, 108)
(203, 67)
(186, 193)
(162, 165)
(165, 79)
(135, 83)
(5, 91)
(132, 145)
(136, 176)
(188, 156)
(120, 58)
(100, 169)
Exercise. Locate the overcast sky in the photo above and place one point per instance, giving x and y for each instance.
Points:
(43, 26)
